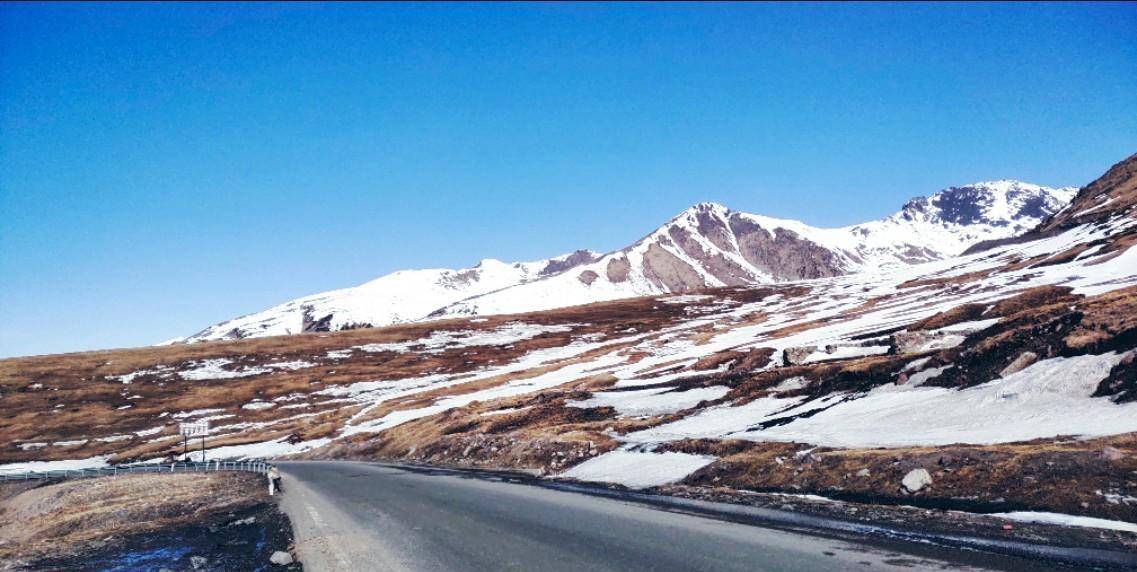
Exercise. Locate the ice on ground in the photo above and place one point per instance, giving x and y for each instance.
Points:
(1068, 520)
(256, 405)
(657, 401)
(638, 470)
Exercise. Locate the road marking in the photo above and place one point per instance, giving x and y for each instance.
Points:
(329, 539)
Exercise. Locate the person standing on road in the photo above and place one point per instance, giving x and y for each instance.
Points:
(273, 480)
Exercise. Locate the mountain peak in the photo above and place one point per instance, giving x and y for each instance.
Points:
(999, 203)
(707, 207)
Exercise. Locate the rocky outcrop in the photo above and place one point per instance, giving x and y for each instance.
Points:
(617, 270)
(558, 265)
(782, 253)
(727, 271)
(666, 270)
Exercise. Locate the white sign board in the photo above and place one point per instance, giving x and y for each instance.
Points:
(195, 429)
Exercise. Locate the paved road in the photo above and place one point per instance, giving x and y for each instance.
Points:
(365, 516)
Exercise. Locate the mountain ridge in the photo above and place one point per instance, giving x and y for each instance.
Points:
(704, 246)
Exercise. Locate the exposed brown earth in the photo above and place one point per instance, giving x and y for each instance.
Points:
(66, 519)
(82, 400)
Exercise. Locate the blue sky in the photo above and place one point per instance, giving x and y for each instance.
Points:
(165, 167)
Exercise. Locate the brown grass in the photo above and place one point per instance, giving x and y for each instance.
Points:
(54, 519)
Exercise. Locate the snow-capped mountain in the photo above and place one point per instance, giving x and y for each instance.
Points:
(710, 245)
(402, 296)
(706, 245)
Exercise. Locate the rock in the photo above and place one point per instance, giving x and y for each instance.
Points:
(796, 355)
(198, 562)
(1020, 363)
(916, 479)
(1112, 453)
(280, 558)
(922, 341)
(864, 473)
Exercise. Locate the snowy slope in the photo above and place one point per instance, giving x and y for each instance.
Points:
(398, 297)
(706, 245)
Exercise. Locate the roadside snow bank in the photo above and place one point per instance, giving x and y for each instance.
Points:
(1068, 520)
(638, 470)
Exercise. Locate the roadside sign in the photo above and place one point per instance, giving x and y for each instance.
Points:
(197, 428)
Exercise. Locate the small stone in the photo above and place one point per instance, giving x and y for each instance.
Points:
(916, 479)
(280, 558)
(1112, 453)
(864, 473)
(198, 562)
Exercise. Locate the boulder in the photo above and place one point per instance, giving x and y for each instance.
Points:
(794, 356)
(198, 562)
(280, 558)
(1020, 363)
(916, 479)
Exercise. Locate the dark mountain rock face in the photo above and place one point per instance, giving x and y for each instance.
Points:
(571, 261)
(669, 271)
(962, 205)
(782, 253)
(618, 269)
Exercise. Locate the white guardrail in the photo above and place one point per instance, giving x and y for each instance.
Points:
(251, 466)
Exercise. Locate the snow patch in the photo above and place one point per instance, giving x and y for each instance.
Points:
(637, 470)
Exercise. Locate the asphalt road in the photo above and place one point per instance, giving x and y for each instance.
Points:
(365, 516)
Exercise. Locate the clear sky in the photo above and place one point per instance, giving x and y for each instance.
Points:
(165, 167)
